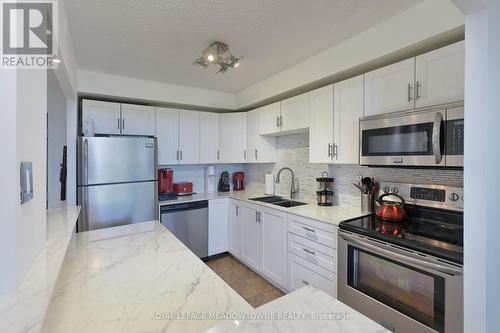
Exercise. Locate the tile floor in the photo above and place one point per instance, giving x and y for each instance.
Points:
(253, 288)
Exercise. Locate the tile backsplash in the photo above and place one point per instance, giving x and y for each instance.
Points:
(293, 151)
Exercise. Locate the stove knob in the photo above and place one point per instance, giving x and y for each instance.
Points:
(395, 190)
(454, 197)
(386, 189)
(391, 189)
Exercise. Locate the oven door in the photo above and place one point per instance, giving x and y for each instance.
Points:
(402, 290)
(414, 139)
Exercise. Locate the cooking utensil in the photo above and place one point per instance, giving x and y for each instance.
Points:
(359, 187)
(389, 210)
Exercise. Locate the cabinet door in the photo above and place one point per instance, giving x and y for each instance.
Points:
(348, 108)
(440, 76)
(209, 137)
(167, 132)
(250, 237)
(260, 149)
(274, 246)
(189, 137)
(321, 125)
(390, 88)
(233, 137)
(218, 210)
(234, 229)
(104, 115)
(138, 119)
(269, 121)
(295, 114)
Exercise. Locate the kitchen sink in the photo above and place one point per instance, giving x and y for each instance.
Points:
(288, 203)
(269, 199)
(278, 201)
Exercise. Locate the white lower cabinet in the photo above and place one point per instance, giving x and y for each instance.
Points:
(234, 229)
(274, 245)
(250, 239)
(303, 273)
(218, 228)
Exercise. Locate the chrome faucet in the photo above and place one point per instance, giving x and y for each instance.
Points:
(293, 190)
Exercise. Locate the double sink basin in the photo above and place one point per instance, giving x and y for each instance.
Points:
(279, 201)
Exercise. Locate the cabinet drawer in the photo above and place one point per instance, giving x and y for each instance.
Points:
(313, 252)
(302, 273)
(320, 232)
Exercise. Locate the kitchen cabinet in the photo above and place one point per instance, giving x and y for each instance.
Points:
(390, 88)
(209, 137)
(273, 245)
(295, 114)
(303, 273)
(260, 149)
(348, 108)
(270, 119)
(189, 137)
(218, 227)
(250, 241)
(321, 125)
(138, 119)
(234, 229)
(439, 76)
(105, 116)
(167, 133)
(233, 137)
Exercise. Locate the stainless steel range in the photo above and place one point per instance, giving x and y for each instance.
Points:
(408, 276)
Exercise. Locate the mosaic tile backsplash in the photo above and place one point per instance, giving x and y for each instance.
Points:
(293, 152)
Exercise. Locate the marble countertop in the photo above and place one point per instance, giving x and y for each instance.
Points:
(24, 310)
(136, 278)
(304, 310)
(333, 214)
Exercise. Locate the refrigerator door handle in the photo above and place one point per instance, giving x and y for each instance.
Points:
(86, 162)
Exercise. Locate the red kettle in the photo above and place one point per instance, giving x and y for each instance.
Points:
(391, 211)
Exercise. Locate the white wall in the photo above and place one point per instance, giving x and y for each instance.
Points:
(119, 86)
(57, 139)
(419, 23)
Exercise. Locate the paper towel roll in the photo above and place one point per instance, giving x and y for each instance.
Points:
(269, 184)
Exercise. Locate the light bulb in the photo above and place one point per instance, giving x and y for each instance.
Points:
(210, 57)
(236, 64)
(56, 60)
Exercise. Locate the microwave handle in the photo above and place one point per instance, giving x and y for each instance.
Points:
(436, 137)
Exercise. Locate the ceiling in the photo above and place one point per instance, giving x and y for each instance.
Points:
(159, 39)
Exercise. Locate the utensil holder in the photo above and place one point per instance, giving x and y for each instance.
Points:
(367, 203)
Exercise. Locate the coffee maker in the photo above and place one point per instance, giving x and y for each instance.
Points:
(166, 184)
(238, 181)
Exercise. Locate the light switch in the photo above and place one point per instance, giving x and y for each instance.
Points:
(26, 175)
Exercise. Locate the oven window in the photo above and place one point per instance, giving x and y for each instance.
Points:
(418, 294)
(398, 140)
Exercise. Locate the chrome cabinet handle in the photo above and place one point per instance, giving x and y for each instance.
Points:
(118, 124)
(436, 137)
(281, 121)
(309, 229)
(217, 154)
(417, 86)
(245, 154)
(123, 124)
(257, 217)
(181, 154)
(330, 153)
(309, 251)
(409, 92)
(256, 154)
(277, 121)
(305, 282)
(177, 155)
(335, 151)
(237, 210)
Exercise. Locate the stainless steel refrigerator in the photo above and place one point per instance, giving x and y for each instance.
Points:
(117, 181)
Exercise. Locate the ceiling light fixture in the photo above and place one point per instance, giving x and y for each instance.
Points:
(218, 54)
(56, 60)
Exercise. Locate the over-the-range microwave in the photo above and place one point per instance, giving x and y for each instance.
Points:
(424, 138)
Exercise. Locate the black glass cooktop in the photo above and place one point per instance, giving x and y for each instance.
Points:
(431, 231)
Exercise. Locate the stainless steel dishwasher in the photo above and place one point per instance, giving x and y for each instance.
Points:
(189, 223)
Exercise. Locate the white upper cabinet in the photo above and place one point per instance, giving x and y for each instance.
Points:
(167, 132)
(390, 88)
(104, 115)
(209, 137)
(348, 108)
(295, 114)
(270, 119)
(260, 149)
(440, 76)
(138, 119)
(189, 137)
(233, 137)
(321, 125)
